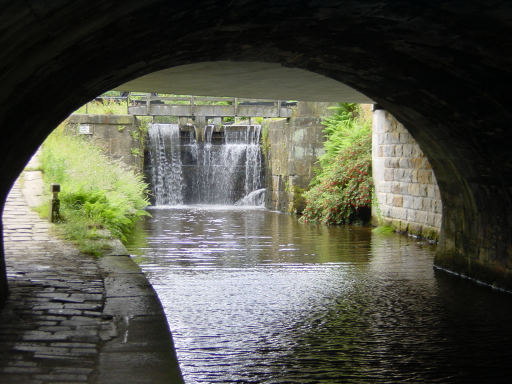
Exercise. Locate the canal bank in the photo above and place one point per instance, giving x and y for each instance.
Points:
(71, 317)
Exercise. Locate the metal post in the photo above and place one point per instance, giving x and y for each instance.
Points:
(55, 203)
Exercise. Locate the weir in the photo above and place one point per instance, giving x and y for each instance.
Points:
(225, 168)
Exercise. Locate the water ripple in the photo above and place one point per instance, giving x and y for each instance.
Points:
(255, 297)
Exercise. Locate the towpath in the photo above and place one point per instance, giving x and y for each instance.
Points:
(74, 318)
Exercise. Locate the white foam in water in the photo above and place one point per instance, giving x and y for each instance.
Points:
(255, 198)
(216, 173)
(206, 207)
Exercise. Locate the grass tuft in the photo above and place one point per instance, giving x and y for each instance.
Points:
(101, 199)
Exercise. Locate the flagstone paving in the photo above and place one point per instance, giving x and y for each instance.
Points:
(71, 318)
(52, 324)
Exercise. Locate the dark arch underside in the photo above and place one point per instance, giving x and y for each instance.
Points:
(443, 69)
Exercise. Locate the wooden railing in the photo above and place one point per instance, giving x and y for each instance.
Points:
(164, 104)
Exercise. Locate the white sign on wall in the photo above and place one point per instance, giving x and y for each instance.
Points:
(84, 129)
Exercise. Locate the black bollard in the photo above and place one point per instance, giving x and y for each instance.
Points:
(55, 203)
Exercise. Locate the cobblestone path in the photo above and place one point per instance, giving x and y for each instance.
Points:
(53, 326)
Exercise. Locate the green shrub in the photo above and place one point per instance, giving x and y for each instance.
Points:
(144, 122)
(341, 192)
(97, 194)
(342, 129)
(107, 107)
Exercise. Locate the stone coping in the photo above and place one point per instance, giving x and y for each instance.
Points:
(143, 350)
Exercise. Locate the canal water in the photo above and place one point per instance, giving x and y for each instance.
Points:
(252, 296)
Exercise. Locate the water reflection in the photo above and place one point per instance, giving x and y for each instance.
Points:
(253, 296)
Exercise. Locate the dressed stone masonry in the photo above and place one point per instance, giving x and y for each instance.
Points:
(117, 135)
(291, 148)
(408, 197)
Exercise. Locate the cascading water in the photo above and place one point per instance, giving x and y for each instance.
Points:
(255, 198)
(165, 171)
(223, 169)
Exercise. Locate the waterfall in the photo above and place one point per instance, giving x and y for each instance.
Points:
(165, 154)
(223, 169)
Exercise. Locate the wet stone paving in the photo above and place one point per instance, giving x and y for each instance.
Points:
(53, 325)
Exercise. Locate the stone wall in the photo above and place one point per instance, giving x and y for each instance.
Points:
(291, 148)
(118, 135)
(405, 185)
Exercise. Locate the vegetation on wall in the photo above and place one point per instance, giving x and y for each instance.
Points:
(265, 143)
(341, 192)
(139, 137)
(107, 107)
(100, 198)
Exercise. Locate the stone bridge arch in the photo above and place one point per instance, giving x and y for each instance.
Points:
(442, 69)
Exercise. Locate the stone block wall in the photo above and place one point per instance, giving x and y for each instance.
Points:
(118, 135)
(291, 148)
(408, 197)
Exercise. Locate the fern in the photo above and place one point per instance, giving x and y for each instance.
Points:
(96, 192)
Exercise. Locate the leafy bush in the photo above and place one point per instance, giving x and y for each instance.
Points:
(96, 192)
(341, 190)
(342, 129)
